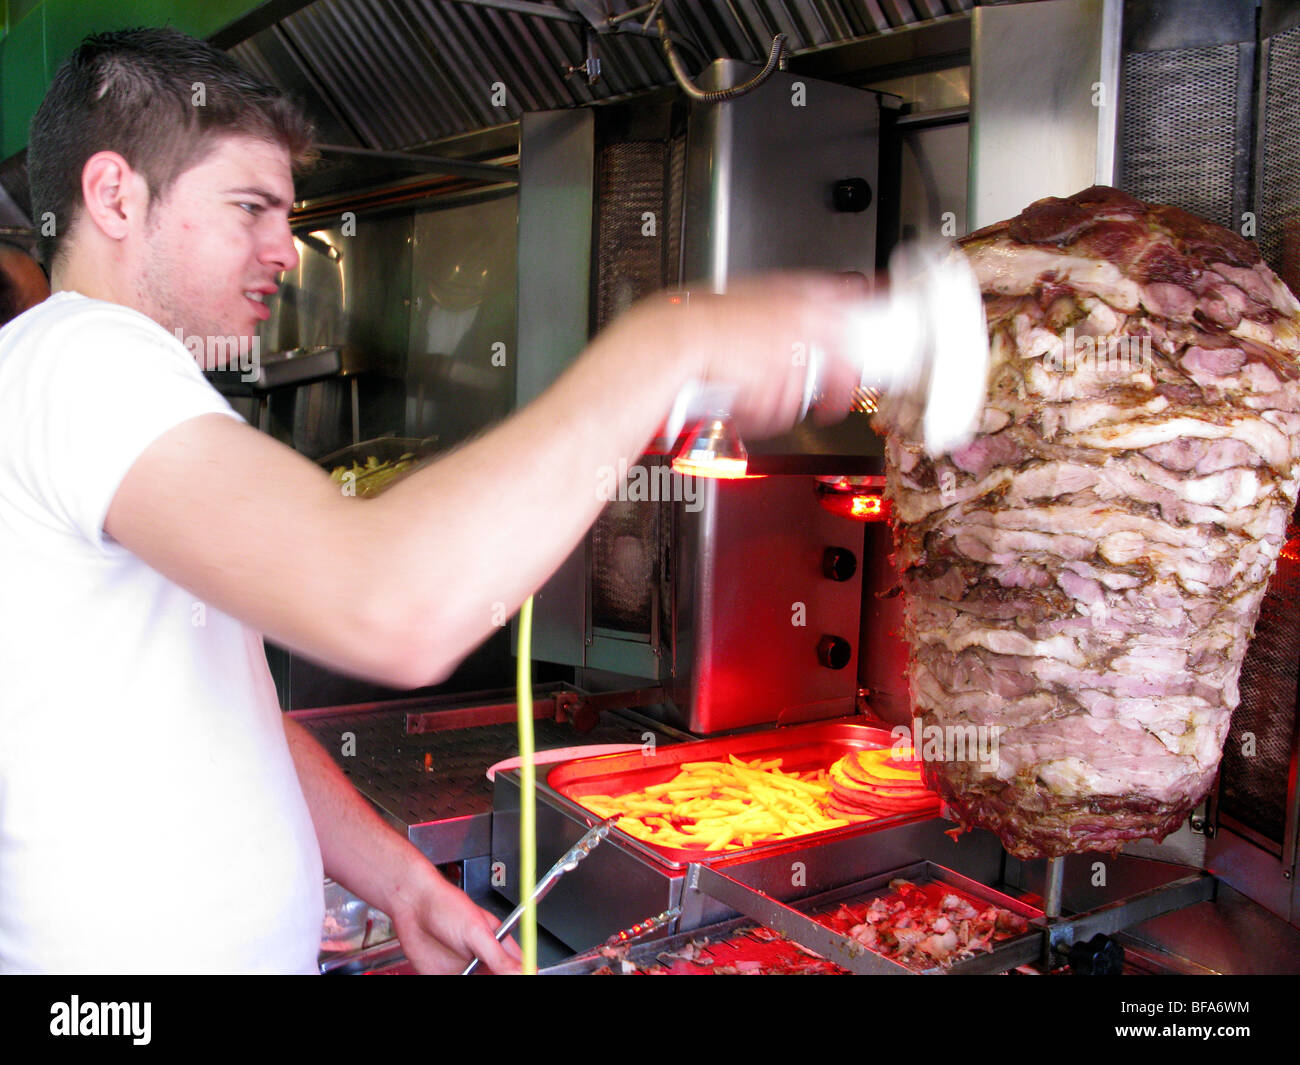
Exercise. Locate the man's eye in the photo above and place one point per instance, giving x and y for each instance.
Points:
(251, 208)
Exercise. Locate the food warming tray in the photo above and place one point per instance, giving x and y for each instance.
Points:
(801, 748)
(796, 922)
(625, 879)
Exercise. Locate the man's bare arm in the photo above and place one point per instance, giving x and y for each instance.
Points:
(439, 926)
(401, 587)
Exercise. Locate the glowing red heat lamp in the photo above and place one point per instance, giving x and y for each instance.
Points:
(859, 498)
(712, 448)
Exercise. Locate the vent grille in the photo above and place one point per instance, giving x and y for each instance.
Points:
(1257, 756)
(1279, 204)
(638, 241)
(1179, 132)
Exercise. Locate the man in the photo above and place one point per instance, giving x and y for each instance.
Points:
(157, 812)
(22, 282)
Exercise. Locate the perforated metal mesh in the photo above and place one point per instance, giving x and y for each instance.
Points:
(1279, 205)
(389, 766)
(631, 224)
(625, 545)
(1178, 133)
(638, 200)
(1257, 755)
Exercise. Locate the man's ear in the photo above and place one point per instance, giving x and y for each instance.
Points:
(115, 196)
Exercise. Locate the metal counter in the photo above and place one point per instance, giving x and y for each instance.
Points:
(423, 762)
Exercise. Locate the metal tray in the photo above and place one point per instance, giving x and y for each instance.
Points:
(279, 369)
(724, 935)
(802, 748)
(796, 921)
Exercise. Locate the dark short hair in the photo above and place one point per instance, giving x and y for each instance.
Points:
(158, 98)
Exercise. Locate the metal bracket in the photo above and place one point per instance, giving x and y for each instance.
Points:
(1201, 818)
(590, 66)
(1113, 917)
(585, 710)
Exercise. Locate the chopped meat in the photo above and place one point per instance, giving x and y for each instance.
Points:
(1084, 576)
(925, 925)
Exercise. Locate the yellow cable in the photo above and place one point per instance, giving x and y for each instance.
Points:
(527, 793)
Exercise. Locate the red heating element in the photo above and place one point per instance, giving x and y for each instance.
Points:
(861, 503)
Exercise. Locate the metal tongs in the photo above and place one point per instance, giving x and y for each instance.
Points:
(567, 863)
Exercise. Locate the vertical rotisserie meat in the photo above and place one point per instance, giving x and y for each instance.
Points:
(1082, 580)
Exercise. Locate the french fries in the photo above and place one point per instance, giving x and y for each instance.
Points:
(372, 478)
(722, 806)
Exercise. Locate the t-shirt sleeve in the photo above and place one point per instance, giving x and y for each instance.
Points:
(101, 388)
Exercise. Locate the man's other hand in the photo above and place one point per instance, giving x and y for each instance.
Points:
(441, 930)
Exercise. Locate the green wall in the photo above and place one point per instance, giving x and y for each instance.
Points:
(43, 32)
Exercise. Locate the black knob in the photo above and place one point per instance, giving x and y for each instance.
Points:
(851, 195)
(1100, 956)
(834, 652)
(839, 563)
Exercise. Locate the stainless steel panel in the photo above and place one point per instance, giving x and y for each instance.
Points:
(1186, 846)
(460, 373)
(759, 175)
(344, 301)
(756, 162)
(453, 839)
(557, 173)
(932, 204)
(882, 652)
(935, 44)
(610, 890)
(1230, 935)
(1276, 16)
(752, 603)
(930, 90)
(1157, 25)
(1035, 130)
(1254, 872)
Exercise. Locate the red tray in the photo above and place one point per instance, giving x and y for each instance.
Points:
(802, 748)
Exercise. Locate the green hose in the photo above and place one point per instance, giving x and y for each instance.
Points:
(527, 792)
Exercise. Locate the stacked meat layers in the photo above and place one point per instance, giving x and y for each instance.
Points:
(1082, 580)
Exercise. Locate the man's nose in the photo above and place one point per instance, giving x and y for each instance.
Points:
(281, 250)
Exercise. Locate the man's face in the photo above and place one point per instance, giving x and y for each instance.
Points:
(218, 240)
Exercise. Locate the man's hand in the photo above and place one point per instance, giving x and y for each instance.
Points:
(441, 929)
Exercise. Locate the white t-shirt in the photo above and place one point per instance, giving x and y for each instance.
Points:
(150, 816)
